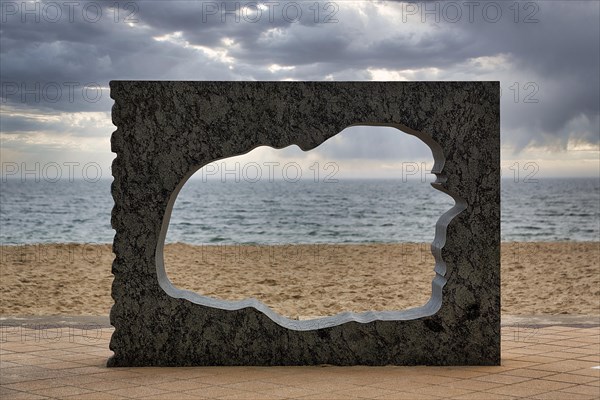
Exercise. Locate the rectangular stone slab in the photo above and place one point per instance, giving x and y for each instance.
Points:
(166, 131)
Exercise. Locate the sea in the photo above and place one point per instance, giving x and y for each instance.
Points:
(285, 212)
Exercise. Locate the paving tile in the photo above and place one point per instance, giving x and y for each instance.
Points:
(503, 378)
(509, 346)
(274, 372)
(4, 391)
(326, 387)
(493, 369)
(92, 361)
(22, 369)
(362, 380)
(96, 396)
(61, 391)
(517, 363)
(35, 384)
(21, 347)
(564, 366)
(290, 370)
(170, 396)
(402, 372)
(593, 348)
(552, 339)
(104, 373)
(12, 394)
(8, 364)
(401, 384)
(215, 392)
(458, 373)
(105, 385)
(472, 384)
(148, 380)
(136, 392)
(251, 396)
(302, 379)
(528, 373)
(559, 328)
(179, 385)
(554, 365)
(432, 379)
(586, 339)
(529, 388)
(253, 386)
(439, 390)
(586, 331)
(571, 378)
(483, 396)
(593, 358)
(585, 350)
(20, 374)
(88, 369)
(367, 392)
(556, 345)
(221, 379)
(582, 389)
(561, 396)
(18, 356)
(64, 345)
(74, 357)
(567, 355)
(190, 374)
(49, 353)
(539, 359)
(88, 350)
(594, 383)
(408, 396)
(61, 365)
(529, 351)
(41, 361)
(7, 380)
(568, 345)
(326, 396)
(289, 392)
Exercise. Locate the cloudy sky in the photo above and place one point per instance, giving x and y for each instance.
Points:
(56, 59)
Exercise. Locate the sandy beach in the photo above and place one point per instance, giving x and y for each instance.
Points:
(299, 280)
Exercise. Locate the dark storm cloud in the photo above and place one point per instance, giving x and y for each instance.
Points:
(38, 57)
(557, 50)
(207, 22)
(12, 124)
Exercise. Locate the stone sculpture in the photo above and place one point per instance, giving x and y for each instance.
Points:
(166, 131)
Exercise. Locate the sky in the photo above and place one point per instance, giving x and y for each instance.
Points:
(57, 57)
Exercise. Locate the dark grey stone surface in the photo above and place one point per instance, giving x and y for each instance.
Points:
(103, 321)
(166, 131)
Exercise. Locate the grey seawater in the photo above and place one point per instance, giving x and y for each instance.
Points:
(551, 210)
(347, 211)
(55, 212)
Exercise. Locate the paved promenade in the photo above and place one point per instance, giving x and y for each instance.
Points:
(64, 357)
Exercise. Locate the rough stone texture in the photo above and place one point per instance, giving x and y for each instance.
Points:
(168, 130)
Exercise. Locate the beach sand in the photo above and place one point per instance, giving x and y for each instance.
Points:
(299, 280)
